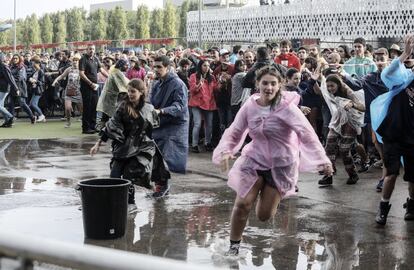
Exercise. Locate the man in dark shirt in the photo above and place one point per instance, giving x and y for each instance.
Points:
(89, 66)
(397, 130)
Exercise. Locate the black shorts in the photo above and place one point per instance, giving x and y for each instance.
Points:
(267, 177)
(393, 151)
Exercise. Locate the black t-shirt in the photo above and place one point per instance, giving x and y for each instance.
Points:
(398, 125)
(91, 67)
(63, 65)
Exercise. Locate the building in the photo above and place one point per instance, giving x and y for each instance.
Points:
(128, 5)
(213, 3)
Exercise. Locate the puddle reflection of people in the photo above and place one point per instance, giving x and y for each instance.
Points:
(3, 147)
(164, 235)
(342, 251)
(135, 155)
(269, 166)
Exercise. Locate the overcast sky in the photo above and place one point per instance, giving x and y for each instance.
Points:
(27, 7)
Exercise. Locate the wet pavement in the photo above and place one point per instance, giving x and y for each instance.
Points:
(330, 228)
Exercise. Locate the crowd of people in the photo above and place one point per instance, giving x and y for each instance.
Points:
(281, 110)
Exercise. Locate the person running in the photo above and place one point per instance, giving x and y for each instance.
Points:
(392, 118)
(7, 84)
(72, 93)
(347, 118)
(283, 142)
(135, 156)
(36, 83)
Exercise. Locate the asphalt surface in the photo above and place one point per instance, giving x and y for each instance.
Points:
(321, 228)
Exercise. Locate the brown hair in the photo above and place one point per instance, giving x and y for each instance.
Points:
(342, 88)
(132, 109)
(269, 70)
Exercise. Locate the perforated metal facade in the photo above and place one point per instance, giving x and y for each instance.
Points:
(305, 19)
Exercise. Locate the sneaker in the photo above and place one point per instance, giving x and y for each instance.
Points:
(161, 191)
(409, 206)
(195, 149)
(378, 164)
(68, 124)
(233, 250)
(364, 167)
(33, 119)
(383, 210)
(380, 185)
(8, 123)
(352, 180)
(325, 181)
(209, 147)
(41, 118)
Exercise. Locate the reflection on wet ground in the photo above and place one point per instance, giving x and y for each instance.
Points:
(192, 224)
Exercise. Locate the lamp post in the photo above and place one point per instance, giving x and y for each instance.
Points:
(199, 22)
(15, 27)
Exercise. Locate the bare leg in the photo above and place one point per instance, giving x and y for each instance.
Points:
(241, 210)
(389, 184)
(268, 202)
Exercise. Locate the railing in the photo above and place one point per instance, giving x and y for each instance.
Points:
(27, 249)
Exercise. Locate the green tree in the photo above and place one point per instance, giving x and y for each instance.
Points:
(170, 20)
(117, 28)
(156, 23)
(46, 29)
(131, 18)
(59, 29)
(75, 24)
(142, 22)
(31, 30)
(19, 33)
(97, 24)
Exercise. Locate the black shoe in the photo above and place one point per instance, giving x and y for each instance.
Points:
(380, 185)
(209, 147)
(352, 180)
(161, 191)
(33, 119)
(88, 131)
(381, 217)
(195, 149)
(409, 206)
(8, 123)
(325, 181)
(364, 167)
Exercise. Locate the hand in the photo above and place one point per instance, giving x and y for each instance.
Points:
(95, 149)
(224, 164)
(327, 169)
(409, 44)
(158, 111)
(305, 110)
(348, 106)
(95, 86)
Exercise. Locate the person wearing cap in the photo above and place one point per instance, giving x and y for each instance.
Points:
(114, 90)
(71, 93)
(392, 118)
(135, 71)
(373, 86)
(394, 51)
(286, 58)
(359, 65)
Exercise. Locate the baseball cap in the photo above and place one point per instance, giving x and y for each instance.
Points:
(224, 52)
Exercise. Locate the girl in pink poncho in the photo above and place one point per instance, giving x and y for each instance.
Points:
(283, 143)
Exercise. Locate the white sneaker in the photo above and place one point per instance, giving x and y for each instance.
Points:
(67, 125)
(41, 118)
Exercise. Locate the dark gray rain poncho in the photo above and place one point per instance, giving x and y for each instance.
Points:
(132, 138)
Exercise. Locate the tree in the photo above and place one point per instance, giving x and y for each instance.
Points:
(46, 29)
(75, 24)
(131, 17)
(156, 23)
(31, 30)
(117, 28)
(59, 30)
(142, 22)
(19, 33)
(97, 24)
(170, 20)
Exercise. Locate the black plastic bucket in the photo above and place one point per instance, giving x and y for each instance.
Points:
(104, 207)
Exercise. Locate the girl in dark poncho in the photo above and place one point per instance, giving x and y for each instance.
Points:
(135, 155)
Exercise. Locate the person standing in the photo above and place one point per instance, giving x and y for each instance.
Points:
(286, 58)
(169, 96)
(360, 65)
(392, 118)
(36, 83)
(88, 71)
(7, 84)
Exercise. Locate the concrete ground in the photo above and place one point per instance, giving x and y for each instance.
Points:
(321, 228)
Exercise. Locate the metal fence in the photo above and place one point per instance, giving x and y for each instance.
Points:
(27, 250)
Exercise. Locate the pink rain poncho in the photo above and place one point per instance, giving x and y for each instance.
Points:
(283, 142)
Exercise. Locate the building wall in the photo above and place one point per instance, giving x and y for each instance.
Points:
(129, 5)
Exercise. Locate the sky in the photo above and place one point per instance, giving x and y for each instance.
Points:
(40, 7)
